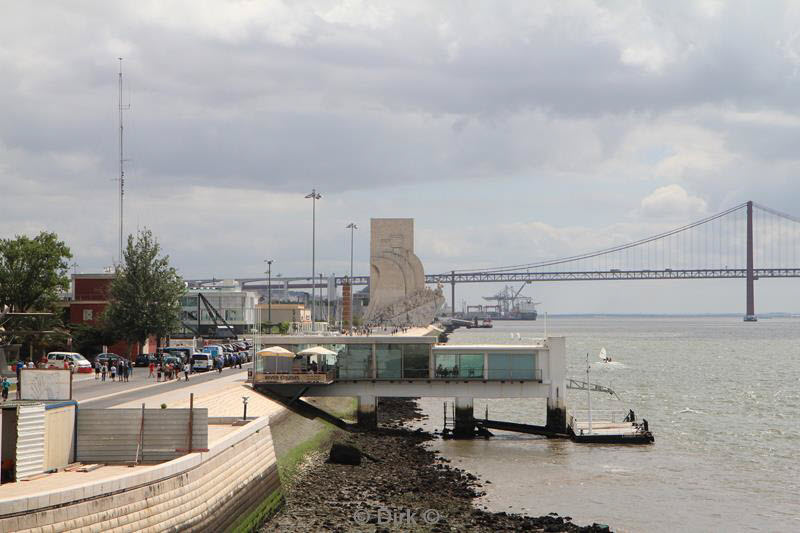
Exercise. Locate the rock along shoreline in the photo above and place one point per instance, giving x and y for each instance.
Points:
(402, 487)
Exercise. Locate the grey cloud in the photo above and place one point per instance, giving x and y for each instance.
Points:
(543, 100)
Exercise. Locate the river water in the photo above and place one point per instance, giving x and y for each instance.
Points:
(722, 398)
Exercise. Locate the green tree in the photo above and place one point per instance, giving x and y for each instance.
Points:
(145, 294)
(33, 272)
(90, 339)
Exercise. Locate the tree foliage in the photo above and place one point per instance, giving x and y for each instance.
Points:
(146, 291)
(33, 272)
(90, 338)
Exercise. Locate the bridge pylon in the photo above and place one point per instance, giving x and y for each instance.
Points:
(750, 312)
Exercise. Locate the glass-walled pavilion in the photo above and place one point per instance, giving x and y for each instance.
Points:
(413, 358)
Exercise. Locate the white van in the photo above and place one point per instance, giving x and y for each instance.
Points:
(202, 362)
(79, 362)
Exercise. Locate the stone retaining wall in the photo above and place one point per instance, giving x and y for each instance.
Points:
(197, 492)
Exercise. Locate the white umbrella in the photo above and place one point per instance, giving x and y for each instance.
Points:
(317, 350)
(276, 351)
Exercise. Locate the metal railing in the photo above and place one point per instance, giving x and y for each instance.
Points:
(599, 415)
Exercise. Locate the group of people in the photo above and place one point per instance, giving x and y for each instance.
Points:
(120, 371)
(169, 371)
(367, 330)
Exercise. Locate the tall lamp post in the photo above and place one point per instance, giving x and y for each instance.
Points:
(269, 292)
(352, 227)
(314, 195)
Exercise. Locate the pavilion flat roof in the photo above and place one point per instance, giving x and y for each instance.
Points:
(269, 340)
(488, 347)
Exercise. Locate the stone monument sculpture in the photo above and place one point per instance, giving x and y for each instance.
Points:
(398, 295)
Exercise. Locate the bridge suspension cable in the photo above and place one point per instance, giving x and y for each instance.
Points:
(617, 248)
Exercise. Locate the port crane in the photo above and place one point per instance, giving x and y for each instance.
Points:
(507, 298)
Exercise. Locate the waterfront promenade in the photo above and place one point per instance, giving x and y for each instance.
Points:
(74, 499)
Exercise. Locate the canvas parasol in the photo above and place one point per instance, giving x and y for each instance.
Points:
(276, 352)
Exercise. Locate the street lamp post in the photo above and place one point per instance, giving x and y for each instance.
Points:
(269, 292)
(314, 195)
(352, 227)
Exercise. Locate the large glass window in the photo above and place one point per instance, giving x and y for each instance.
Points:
(459, 366)
(471, 366)
(355, 361)
(512, 365)
(389, 358)
(402, 361)
(416, 358)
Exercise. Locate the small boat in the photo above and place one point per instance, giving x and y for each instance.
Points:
(604, 357)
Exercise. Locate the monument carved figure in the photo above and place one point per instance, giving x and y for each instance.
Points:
(397, 292)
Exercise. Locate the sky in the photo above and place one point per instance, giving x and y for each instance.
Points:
(512, 132)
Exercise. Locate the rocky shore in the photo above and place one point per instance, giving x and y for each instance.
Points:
(399, 486)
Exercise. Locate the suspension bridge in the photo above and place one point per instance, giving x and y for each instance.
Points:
(749, 241)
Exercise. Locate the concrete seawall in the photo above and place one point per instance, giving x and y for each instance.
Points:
(205, 491)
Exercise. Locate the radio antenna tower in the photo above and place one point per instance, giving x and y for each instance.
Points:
(121, 163)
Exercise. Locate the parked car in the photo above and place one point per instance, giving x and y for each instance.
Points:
(145, 359)
(74, 360)
(202, 362)
(109, 358)
(184, 352)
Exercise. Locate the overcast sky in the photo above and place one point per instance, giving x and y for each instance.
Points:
(511, 131)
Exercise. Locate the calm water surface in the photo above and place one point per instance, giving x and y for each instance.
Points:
(722, 398)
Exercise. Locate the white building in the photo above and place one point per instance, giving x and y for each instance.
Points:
(235, 306)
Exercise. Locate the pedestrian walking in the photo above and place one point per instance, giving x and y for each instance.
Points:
(159, 372)
(119, 370)
(152, 369)
(103, 371)
(186, 371)
(97, 370)
(113, 372)
(5, 386)
(126, 371)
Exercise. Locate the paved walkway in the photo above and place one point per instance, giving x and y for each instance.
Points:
(97, 395)
(222, 397)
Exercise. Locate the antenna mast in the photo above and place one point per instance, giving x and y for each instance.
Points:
(121, 163)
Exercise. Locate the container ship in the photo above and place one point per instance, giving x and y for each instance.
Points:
(505, 305)
(524, 310)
